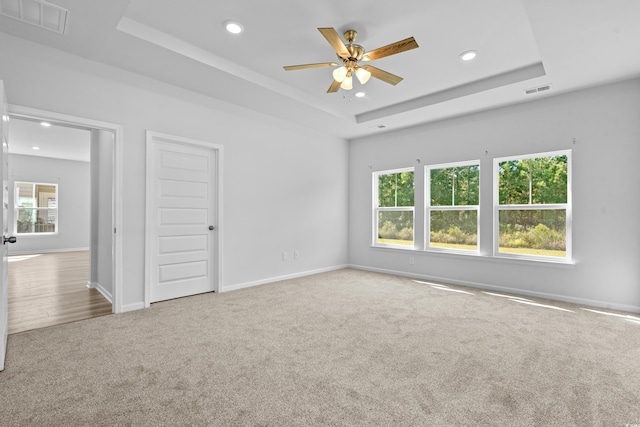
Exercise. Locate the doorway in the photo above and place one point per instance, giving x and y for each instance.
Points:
(57, 272)
(93, 264)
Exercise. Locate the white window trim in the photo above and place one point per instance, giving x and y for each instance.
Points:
(568, 258)
(376, 209)
(18, 208)
(428, 208)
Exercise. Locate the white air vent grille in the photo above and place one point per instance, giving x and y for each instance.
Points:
(537, 89)
(37, 12)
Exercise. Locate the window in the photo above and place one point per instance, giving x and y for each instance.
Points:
(36, 208)
(533, 205)
(453, 192)
(393, 207)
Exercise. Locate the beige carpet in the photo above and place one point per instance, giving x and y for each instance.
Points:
(340, 348)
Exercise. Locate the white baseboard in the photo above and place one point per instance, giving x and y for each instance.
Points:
(46, 251)
(132, 307)
(105, 293)
(280, 278)
(555, 297)
(140, 305)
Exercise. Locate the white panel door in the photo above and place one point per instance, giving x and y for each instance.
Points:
(181, 199)
(4, 270)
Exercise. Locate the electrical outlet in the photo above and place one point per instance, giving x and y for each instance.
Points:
(411, 260)
(296, 254)
(285, 256)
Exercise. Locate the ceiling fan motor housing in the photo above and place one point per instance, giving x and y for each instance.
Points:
(356, 52)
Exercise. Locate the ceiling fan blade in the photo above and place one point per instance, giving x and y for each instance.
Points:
(335, 41)
(391, 49)
(305, 66)
(334, 87)
(383, 75)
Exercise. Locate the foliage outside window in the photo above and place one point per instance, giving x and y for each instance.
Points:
(533, 206)
(394, 207)
(453, 192)
(36, 208)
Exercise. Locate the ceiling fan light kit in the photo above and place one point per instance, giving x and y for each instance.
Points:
(350, 54)
(363, 75)
(340, 73)
(347, 83)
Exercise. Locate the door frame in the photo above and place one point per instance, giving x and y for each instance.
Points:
(153, 138)
(117, 130)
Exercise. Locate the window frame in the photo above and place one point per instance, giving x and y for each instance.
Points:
(17, 208)
(497, 207)
(428, 208)
(377, 209)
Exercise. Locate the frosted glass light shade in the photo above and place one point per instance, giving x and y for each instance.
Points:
(347, 84)
(339, 74)
(363, 75)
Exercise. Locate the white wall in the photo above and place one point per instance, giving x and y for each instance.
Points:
(72, 178)
(102, 158)
(285, 187)
(605, 122)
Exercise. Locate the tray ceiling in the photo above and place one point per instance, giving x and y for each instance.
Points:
(521, 45)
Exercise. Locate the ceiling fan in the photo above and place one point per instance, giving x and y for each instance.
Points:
(351, 54)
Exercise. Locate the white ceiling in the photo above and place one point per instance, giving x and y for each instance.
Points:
(60, 142)
(522, 44)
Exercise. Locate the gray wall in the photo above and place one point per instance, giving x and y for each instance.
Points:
(72, 178)
(285, 187)
(605, 122)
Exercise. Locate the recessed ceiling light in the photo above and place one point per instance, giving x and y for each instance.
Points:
(35, 148)
(45, 124)
(359, 94)
(468, 55)
(233, 27)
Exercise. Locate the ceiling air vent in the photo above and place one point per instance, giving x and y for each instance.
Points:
(537, 89)
(36, 12)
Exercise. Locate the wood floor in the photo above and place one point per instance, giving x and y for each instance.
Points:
(50, 289)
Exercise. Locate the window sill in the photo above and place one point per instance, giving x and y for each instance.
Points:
(395, 248)
(560, 263)
(476, 255)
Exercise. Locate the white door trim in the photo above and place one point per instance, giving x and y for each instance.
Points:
(117, 184)
(152, 138)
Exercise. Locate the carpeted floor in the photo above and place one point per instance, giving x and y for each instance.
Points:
(340, 348)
